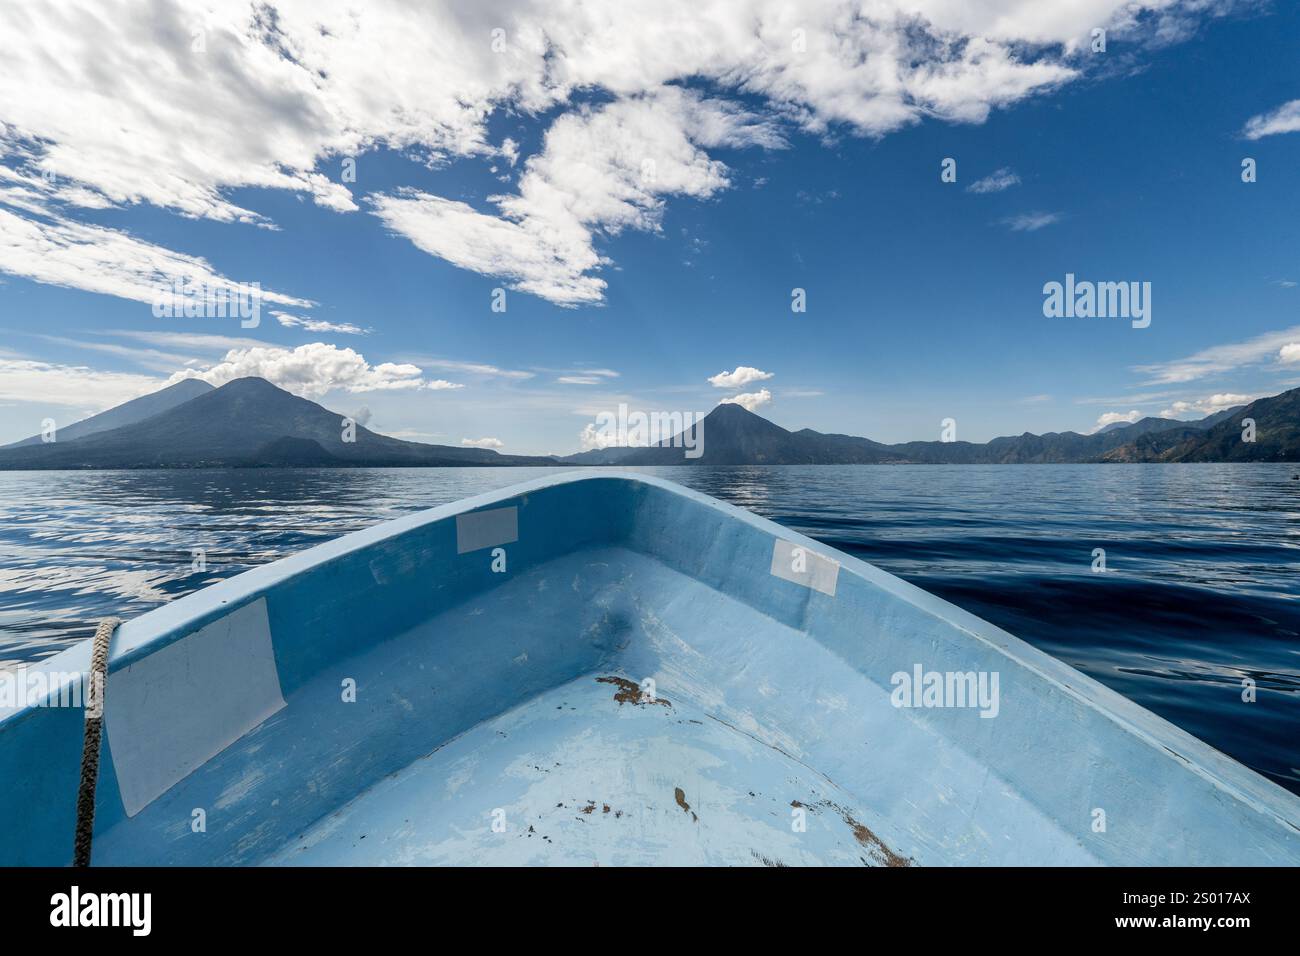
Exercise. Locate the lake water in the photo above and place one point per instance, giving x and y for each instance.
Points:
(1202, 586)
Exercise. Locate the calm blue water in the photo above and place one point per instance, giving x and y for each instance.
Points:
(1202, 587)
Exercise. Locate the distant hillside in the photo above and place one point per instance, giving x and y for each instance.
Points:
(1277, 436)
(734, 436)
(247, 422)
(252, 423)
(128, 413)
(1147, 426)
(1114, 425)
(597, 456)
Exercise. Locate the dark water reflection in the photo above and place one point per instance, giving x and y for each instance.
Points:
(1201, 589)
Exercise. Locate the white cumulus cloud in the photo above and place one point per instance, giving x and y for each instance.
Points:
(600, 171)
(749, 400)
(483, 442)
(313, 370)
(592, 438)
(1199, 408)
(742, 376)
(197, 100)
(1110, 418)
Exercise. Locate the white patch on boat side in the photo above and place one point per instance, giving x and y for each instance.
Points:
(833, 702)
(460, 773)
(236, 790)
(171, 712)
(486, 529)
(801, 565)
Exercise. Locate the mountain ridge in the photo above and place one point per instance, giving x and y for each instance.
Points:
(1151, 439)
(250, 422)
(247, 422)
(128, 413)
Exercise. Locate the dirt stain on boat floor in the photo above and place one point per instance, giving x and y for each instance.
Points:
(875, 846)
(680, 796)
(629, 692)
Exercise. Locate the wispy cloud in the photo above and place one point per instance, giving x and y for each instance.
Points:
(72, 386)
(154, 359)
(412, 434)
(317, 325)
(1261, 350)
(201, 342)
(1030, 221)
(1283, 119)
(1137, 398)
(472, 368)
(158, 351)
(995, 182)
(58, 251)
(588, 376)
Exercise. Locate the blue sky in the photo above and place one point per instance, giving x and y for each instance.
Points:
(924, 298)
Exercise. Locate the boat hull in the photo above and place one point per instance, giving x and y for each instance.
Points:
(609, 669)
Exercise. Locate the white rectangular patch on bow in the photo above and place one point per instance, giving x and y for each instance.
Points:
(173, 711)
(802, 565)
(486, 529)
